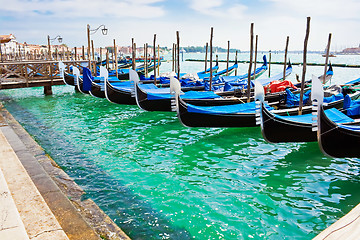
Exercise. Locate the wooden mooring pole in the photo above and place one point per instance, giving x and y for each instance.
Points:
(285, 59)
(269, 63)
(178, 54)
(158, 67)
(227, 59)
(115, 59)
(304, 65)
(327, 57)
(255, 60)
(206, 54)
(146, 59)
(173, 58)
(154, 56)
(236, 61)
(211, 75)
(251, 55)
(132, 55)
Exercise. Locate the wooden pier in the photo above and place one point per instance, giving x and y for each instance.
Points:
(23, 74)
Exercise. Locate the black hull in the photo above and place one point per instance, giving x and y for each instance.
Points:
(96, 91)
(335, 141)
(277, 130)
(190, 119)
(68, 79)
(163, 105)
(122, 76)
(117, 96)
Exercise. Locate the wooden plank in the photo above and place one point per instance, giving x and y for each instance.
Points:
(12, 85)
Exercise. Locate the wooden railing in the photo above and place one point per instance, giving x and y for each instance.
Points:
(33, 73)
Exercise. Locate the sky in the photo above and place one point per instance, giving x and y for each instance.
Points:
(32, 21)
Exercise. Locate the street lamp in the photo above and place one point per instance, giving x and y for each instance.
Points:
(104, 31)
(58, 37)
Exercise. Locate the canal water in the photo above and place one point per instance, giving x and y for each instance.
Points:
(160, 180)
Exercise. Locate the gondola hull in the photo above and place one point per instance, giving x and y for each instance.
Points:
(118, 96)
(151, 105)
(336, 141)
(191, 119)
(96, 90)
(276, 129)
(69, 79)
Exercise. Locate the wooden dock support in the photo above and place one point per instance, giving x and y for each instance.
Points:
(48, 90)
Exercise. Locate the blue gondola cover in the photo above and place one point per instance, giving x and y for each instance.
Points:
(87, 79)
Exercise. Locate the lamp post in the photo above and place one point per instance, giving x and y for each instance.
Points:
(104, 31)
(58, 37)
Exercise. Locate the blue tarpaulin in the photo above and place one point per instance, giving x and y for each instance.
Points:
(334, 114)
(352, 106)
(87, 79)
(228, 109)
(293, 100)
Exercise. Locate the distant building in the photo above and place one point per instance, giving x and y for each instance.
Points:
(354, 50)
(9, 43)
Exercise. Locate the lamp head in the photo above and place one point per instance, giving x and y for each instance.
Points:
(104, 31)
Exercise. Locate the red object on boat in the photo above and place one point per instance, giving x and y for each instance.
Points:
(279, 86)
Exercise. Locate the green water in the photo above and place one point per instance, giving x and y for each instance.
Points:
(160, 180)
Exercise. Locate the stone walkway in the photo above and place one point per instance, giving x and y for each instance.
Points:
(24, 212)
(346, 228)
(35, 194)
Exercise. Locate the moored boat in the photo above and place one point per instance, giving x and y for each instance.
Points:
(338, 140)
(283, 126)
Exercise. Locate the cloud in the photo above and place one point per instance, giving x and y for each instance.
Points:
(237, 11)
(218, 8)
(83, 8)
(337, 9)
(204, 5)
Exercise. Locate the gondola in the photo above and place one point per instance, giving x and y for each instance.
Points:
(125, 94)
(297, 128)
(68, 79)
(280, 126)
(160, 100)
(120, 94)
(228, 71)
(123, 74)
(78, 81)
(237, 115)
(214, 70)
(337, 140)
(245, 115)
